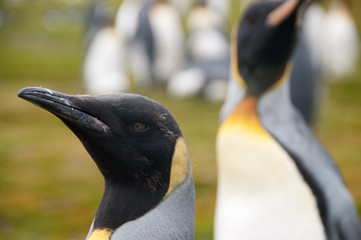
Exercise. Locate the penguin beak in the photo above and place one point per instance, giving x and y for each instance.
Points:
(63, 106)
(280, 14)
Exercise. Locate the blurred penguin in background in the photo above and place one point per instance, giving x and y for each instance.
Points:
(333, 39)
(154, 32)
(312, 26)
(341, 44)
(275, 180)
(206, 72)
(183, 6)
(223, 7)
(98, 15)
(104, 68)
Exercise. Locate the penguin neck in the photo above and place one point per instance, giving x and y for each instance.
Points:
(245, 116)
(124, 202)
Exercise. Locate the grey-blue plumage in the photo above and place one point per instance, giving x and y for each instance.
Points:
(336, 205)
(304, 81)
(163, 225)
(178, 224)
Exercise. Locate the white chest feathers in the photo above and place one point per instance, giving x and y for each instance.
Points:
(261, 193)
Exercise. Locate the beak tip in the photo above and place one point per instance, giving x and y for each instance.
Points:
(30, 90)
(23, 92)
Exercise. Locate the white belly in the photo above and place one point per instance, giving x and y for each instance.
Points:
(261, 194)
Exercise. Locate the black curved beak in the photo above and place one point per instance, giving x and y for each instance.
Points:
(63, 106)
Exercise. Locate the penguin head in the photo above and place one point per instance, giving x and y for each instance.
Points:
(131, 138)
(265, 39)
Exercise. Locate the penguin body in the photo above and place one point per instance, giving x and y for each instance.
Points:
(275, 181)
(207, 70)
(139, 149)
(335, 204)
(104, 67)
(98, 16)
(261, 193)
(168, 36)
(333, 39)
(182, 6)
(222, 7)
(341, 43)
(155, 39)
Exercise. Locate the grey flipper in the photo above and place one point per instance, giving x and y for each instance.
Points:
(172, 219)
(337, 208)
(98, 16)
(304, 80)
(144, 31)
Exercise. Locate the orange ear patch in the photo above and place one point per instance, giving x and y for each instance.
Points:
(278, 15)
(101, 234)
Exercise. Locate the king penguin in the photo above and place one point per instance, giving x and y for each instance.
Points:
(139, 149)
(275, 181)
(156, 40)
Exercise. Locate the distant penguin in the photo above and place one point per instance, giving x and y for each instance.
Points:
(333, 38)
(340, 42)
(156, 40)
(312, 24)
(98, 16)
(275, 181)
(206, 72)
(139, 149)
(182, 6)
(104, 67)
(127, 18)
(223, 7)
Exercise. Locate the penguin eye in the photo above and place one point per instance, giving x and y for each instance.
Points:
(138, 126)
(251, 20)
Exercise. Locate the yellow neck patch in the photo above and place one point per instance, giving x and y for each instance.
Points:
(245, 118)
(180, 165)
(101, 234)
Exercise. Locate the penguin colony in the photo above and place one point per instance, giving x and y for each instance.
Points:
(275, 181)
(149, 46)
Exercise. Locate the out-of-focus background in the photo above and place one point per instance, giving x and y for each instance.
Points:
(49, 186)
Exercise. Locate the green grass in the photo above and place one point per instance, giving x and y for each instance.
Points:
(49, 186)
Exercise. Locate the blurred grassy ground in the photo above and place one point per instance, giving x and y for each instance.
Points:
(49, 186)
